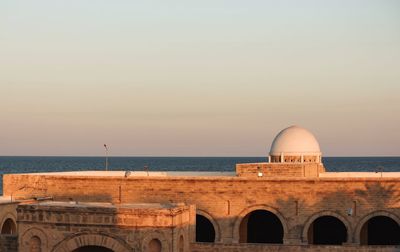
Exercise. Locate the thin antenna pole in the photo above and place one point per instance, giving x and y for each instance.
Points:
(105, 146)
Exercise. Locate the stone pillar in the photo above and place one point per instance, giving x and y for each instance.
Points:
(192, 223)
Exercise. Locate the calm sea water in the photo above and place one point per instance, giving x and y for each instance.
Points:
(49, 164)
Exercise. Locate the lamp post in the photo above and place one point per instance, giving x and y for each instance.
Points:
(380, 169)
(105, 147)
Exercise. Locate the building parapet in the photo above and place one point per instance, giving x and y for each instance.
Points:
(279, 170)
(87, 213)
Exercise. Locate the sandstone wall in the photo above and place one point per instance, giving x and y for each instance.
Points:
(297, 202)
(279, 169)
(62, 228)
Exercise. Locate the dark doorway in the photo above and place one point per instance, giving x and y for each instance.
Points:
(92, 249)
(205, 231)
(9, 227)
(261, 226)
(380, 230)
(327, 230)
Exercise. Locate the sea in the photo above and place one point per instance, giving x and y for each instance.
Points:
(29, 164)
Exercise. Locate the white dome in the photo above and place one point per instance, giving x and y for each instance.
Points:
(294, 140)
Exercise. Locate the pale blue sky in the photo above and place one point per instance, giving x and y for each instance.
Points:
(198, 78)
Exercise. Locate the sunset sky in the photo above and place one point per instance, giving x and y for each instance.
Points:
(198, 78)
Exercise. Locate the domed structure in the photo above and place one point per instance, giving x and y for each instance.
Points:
(295, 145)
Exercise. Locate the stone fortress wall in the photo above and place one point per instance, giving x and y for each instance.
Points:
(227, 200)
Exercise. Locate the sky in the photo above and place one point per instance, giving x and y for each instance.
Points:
(198, 78)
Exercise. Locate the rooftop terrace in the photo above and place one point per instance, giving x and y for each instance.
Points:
(206, 174)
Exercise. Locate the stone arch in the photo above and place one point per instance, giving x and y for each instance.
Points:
(151, 235)
(25, 238)
(315, 216)
(78, 240)
(9, 227)
(8, 224)
(367, 217)
(209, 217)
(246, 211)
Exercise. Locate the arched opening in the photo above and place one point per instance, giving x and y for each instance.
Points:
(380, 230)
(181, 244)
(35, 244)
(9, 227)
(92, 249)
(261, 226)
(87, 241)
(205, 231)
(154, 246)
(327, 230)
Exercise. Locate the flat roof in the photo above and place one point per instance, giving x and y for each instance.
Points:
(138, 173)
(104, 205)
(359, 175)
(206, 174)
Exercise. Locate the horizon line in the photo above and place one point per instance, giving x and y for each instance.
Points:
(184, 156)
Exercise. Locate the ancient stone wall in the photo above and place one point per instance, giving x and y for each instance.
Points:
(297, 202)
(58, 227)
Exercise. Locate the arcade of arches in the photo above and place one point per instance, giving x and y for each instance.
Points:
(262, 226)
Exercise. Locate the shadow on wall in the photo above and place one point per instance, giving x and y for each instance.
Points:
(378, 195)
(39, 234)
(361, 217)
(109, 228)
(354, 212)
